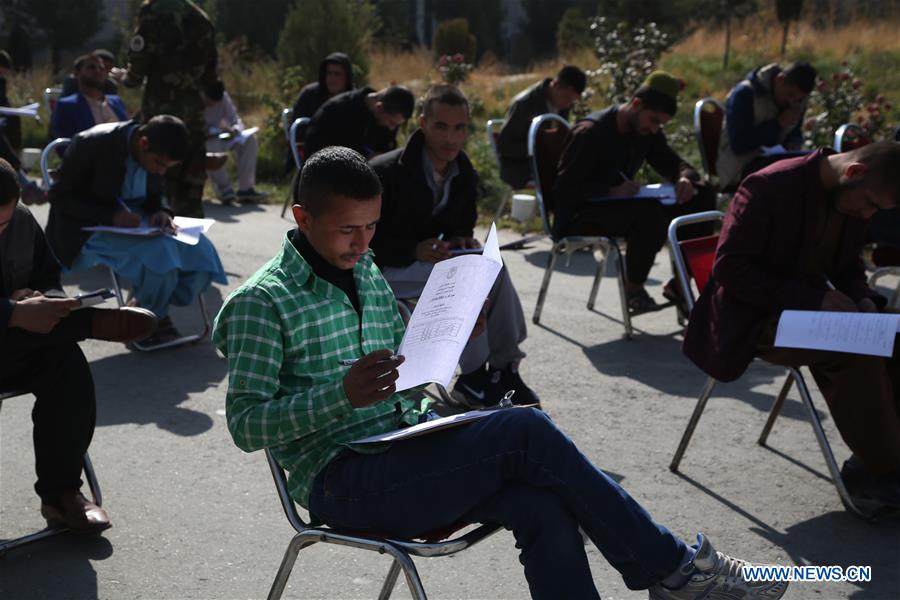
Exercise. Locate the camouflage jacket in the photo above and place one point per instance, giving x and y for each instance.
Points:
(173, 52)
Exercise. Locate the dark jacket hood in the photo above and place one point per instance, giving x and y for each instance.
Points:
(336, 58)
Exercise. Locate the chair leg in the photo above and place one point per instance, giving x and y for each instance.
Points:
(542, 294)
(825, 447)
(413, 582)
(692, 424)
(623, 298)
(601, 269)
(92, 482)
(298, 543)
(390, 581)
(287, 202)
(775, 410)
(504, 200)
(185, 339)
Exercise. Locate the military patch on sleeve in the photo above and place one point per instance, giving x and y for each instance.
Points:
(137, 43)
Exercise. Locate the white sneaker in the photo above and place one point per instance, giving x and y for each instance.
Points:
(717, 576)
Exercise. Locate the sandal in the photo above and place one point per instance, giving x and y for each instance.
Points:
(639, 302)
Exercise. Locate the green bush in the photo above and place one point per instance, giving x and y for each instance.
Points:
(573, 32)
(316, 28)
(453, 37)
(627, 54)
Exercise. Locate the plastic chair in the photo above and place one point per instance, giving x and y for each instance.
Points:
(545, 142)
(849, 136)
(693, 263)
(298, 150)
(401, 551)
(117, 288)
(93, 485)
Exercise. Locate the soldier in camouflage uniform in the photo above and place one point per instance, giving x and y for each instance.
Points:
(173, 53)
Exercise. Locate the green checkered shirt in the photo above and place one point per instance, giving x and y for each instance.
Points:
(283, 332)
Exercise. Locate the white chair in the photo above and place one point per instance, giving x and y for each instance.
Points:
(400, 550)
(47, 176)
(545, 142)
(693, 260)
(93, 486)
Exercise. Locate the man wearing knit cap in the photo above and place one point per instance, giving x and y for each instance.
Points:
(595, 182)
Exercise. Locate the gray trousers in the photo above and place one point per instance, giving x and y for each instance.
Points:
(499, 344)
(245, 160)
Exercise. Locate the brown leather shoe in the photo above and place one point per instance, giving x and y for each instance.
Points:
(77, 513)
(127, 324)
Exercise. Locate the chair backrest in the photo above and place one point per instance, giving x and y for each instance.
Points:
(51, 95)
(493, 127)
(850, 136)
(295, 139)
(709, 114)
(546, 138)
(46, 153)
(897, 134)
(286, 114)
(693, 258)
(287, 503)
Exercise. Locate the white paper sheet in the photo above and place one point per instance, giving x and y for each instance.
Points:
(770, 150)
(428, 427)
(664, 192)
(29, 110)
(858, 333)
(445, 315)
(188, 232)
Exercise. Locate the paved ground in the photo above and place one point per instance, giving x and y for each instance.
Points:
(194, 517)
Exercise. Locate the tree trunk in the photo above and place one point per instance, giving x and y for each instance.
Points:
(727, 42)
(784, 38)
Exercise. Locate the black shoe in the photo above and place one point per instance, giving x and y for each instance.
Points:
(511, 380)
(479, 388)
(871, 493)
(640, 302)
(672, 293)
(251, 195)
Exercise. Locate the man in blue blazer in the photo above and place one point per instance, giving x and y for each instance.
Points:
(89, 106)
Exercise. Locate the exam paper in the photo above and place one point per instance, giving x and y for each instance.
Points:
(664, 192)
(428, 427)
(29, 110)
(188, 232)
(770, 150)
(857, 333)
(445, 315)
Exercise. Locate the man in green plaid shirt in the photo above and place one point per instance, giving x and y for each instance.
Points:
(322, 300)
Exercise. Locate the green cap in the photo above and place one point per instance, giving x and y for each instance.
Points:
(664, 83)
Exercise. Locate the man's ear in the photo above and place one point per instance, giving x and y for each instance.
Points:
(379, 106)
(855, 171)
(302, 217)
(143, 143)
(422, 121)
(635, 104)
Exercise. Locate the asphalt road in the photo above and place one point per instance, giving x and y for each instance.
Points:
(194, 517)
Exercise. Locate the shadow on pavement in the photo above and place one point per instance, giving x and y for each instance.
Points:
(59, 567)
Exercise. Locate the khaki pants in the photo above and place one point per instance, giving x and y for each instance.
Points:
(862, 393)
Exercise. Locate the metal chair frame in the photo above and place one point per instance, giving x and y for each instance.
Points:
(295, 127)
(286, 114)
(51, 96)
(878, 273)
(489, 127)
(117, 288)
(793, 377)
(709, 166)
(401, 551)
(89, 475)
(845, 130)
(608, 248)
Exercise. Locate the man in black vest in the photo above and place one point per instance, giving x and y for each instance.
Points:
(39, 353)
(428, 210)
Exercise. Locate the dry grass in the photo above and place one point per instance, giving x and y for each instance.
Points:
(759, 36)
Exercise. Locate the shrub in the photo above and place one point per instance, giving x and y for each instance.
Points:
(453, 37)
(573, 32)
(316, 28)
(454, 69)
(627, 55)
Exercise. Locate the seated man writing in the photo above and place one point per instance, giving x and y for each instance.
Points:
(766, 109)
(89, 105)
(113, 175)
(428, 209)
(221, 116)
(792, 240)
(601, 157)
(322, 299)
(363, 119)
(556, 95)
(39, 353)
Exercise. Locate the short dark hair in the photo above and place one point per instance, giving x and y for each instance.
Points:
(573, 77)
(79, 61)
(167, 135)
(9, 184)
(215, 90)
(801, 75)
(397, 99)
(334, 171)
(444, 94)
(5, 60)
(883, 162)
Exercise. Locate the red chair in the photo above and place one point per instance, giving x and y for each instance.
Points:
(693, 261)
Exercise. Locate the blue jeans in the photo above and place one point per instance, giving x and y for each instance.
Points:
(514, 468)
